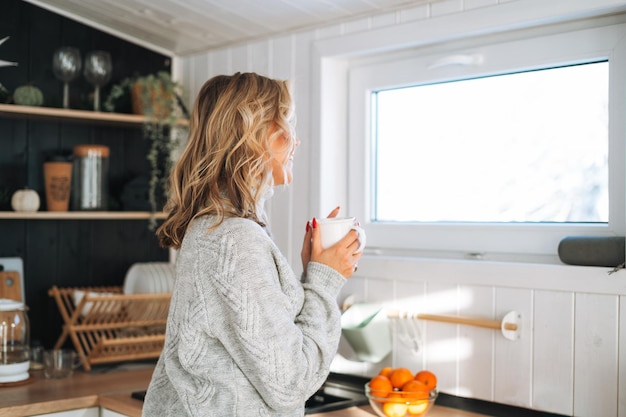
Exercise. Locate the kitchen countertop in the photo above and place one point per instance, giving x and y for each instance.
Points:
(366, 411)
(112, 390)
(83, 390)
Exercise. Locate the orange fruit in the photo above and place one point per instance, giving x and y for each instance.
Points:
(400, 376)
(386, 371)
(380, 386)
(427, 378)
(396, 396)
(418, 408)
(392, 409)
(415, 390)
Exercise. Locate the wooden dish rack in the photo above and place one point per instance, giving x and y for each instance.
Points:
(106, 325)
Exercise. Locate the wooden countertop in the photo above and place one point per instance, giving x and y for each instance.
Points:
(112, 390)
(122, 403)
(82, 390)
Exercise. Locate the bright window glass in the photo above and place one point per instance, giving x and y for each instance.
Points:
(522, 147)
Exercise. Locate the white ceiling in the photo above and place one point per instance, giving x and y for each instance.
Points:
(183, 27)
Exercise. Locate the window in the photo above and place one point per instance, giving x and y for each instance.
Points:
(523, 147)
(499, 147)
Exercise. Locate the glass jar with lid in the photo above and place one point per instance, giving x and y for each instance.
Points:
(90, 182)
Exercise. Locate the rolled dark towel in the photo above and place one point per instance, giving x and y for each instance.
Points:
(592, 250)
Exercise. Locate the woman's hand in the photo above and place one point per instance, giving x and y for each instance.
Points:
(306, 245)
(341, 256)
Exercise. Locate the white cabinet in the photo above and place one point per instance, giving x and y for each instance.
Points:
(105, 412)
(85, 412)
(81, 412)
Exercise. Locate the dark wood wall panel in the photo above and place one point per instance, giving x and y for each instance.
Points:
(67, 253)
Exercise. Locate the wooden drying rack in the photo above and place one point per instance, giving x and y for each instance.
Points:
(509, 325)
(106, 325)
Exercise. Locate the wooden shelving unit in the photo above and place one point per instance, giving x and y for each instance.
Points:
(78, 116)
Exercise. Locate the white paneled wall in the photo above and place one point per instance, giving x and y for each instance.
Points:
(553, 374)
(621, 382)
(567, 360)
(477, 345)
(512, 359)
(571, 356)
(595, 354)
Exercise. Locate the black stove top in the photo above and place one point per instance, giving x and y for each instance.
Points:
(339, 391)
(139, 395)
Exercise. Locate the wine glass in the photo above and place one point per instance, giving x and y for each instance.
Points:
(97, 72)
(66, 65)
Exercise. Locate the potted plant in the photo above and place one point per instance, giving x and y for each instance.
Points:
(157, 97)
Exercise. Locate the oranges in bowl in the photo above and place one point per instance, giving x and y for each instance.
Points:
(398, 392)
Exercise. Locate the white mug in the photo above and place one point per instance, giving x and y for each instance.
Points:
(333, 229)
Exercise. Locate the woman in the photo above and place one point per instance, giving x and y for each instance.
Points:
(245, 335)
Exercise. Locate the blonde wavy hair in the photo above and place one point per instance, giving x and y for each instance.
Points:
(225, 168)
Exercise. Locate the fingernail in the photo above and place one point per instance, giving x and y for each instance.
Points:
(314, 223)
(308, 226)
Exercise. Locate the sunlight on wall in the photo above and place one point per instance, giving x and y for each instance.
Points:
(449, 350)
(464, 392)
(439, 302)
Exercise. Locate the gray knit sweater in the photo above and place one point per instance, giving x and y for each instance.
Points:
(245, 336)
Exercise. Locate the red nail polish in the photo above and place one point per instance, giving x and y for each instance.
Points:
(308, 226)
(314, 223)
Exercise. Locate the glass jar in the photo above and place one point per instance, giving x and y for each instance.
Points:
(14, 341)
(90, 182)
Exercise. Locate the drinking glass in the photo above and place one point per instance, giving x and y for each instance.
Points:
(66, 65)
(97, 71)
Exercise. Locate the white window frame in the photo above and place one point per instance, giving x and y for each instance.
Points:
(515, 51)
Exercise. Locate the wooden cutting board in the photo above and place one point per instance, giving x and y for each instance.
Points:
(10, 285)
